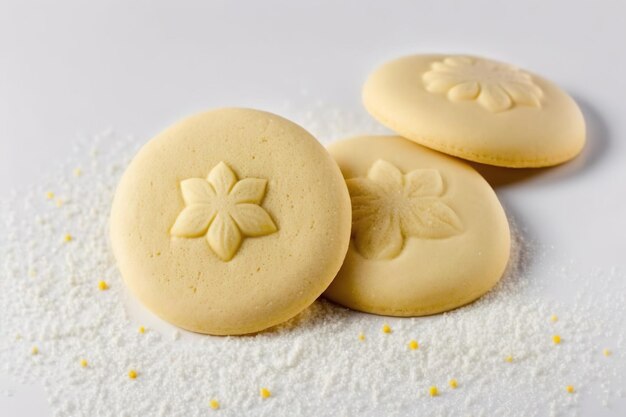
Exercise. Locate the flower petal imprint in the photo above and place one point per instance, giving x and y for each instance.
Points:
(224, 210)
(388, 207)
(494, 85)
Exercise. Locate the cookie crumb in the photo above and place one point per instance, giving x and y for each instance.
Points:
(554, 318)
(508, 359)
(362, 336)
(49, 195)
(68, 237)
(142, 329)
(83, 363)
(606, 352)
(386, 329)
(102, 285)
(433, 391)
(413, 345)
(77, 172)
(556, 339)
(453, 383)
(214, 404)
(569, 388)
(34, 350)
(132, 374)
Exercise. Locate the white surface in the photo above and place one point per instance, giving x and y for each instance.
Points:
(69, 68)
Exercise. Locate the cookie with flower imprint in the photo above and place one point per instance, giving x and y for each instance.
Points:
(477, 109)
(230, 222)
(428, 232)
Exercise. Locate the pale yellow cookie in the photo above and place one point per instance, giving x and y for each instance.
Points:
(428, 232)
(230, 222)
(477, 109)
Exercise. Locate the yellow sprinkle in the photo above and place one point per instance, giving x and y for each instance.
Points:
(77, 172)
(103, 285)
(554, 318)
(606, 352)
(361, 336)
(265, 393)
(58, 202)
(214, 404)
(142, 329)
(83, 363)
(68, 238)
(386, 329)
(453, 383)
(433, 391)
(413, 345)
(508, 359)
(569, 389)
(132, 374)
(556, 339)
(34, 350)
(49, 195)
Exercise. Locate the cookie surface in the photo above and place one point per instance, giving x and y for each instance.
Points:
(428, 232)
(476, 109)
(230, 222)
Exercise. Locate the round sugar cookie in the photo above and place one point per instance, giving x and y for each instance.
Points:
(428, 232)
(476, 109)
(230, 222)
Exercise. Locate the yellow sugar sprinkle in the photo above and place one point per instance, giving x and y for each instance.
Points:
(606, 352)
(34, 350)
(413, 345)
(103, 285)
(58, 202)
(508, 359)
(453, 383)
(132, 374)
(386, 329)
(554, 318)
(265, 393)
(142, 329)
(49, 195)
(556, 339)
(68, 237)
(433, 391)
(569, 388)
(83, 363)
(77, 172)
(361, 336)
(214, 404)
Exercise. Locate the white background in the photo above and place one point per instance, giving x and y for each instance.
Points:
(76, 67)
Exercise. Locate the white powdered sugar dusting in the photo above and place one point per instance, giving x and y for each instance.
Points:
(500, 349)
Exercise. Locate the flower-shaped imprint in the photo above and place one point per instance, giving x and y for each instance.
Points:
(494, 85)
(388, 207)
(223, 209)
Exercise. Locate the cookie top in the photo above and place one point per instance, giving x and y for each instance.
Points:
(230, 222)
(476, 109)
(428, 232)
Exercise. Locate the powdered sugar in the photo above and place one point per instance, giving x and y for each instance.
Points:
(313, 365)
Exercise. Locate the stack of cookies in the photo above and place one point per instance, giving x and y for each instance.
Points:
(235, 220)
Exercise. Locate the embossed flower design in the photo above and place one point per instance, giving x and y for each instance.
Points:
(388, 207)
(224, 210)
(495, 86)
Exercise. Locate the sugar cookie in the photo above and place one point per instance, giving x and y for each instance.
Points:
(477, 109)
(428, 232)
(230, 222)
